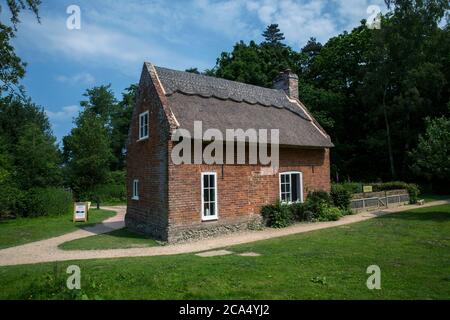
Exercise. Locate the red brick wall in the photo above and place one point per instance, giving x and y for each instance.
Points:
(242, 190)
(147, 161)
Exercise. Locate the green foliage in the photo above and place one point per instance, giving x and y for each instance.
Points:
(87, 153)
(100, 102)
(278, 215)
(48, 202)
(316, 199)
(341, 197)
(319, 207)
(110, 193)
(299, 212)
(256, 64)
(12, 69)
(413, 189)
(273, 35)
(352, 187)
(38, 158)
(328, 213)
(120, 121)
(29, 157)
(431, 158)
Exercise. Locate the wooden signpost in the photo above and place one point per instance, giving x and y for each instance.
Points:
(81, 212)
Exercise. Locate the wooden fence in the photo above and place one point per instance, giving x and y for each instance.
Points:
(379, 200)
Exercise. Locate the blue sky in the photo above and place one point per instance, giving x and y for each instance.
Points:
(117, 36)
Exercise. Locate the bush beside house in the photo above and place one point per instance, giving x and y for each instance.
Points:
(319, 206)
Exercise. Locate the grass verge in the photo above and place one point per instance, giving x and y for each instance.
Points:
(25, 230)
(118, 239)
(411, 248)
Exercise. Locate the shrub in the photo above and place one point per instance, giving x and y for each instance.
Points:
(341, 197)
(48, 202)
(412, 188)
(329, 213)
(352, 187)
(278, 215)
(315, 202)
(298, 212)
(11, 200)
(319, 207)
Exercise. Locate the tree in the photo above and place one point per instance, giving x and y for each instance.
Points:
(121, 123)
(12, 69)
(101, 102)
(87, 153)
(38, 158)
(273, 35)
(29, 156)
(431, 158)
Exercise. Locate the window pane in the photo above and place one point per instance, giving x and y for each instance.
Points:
(206, 195)
(283, 178)
(212, 195)
(206, 210)
(205, 181)
(211, 181)
(212, 207)
(295, 187)
(283, 188)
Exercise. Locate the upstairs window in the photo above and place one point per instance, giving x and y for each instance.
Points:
(209, 196)
(143, 126)
(136, 190)
(291, 187)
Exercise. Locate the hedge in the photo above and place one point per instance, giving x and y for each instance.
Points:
(48, 202)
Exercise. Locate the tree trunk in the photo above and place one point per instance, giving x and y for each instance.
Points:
(388, 134)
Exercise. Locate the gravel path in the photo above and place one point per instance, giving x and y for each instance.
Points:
(48, 251)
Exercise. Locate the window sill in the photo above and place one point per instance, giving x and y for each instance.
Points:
(135, 198)
(142, 139)
(210, 219)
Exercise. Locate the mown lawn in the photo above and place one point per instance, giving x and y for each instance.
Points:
(118, 239)
(25, 230)
(412, 249)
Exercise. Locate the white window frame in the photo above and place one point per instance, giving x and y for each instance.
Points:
(216, 207)
(135, 190)
(141, 125)
(290, 173)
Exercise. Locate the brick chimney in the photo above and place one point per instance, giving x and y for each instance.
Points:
(287, 81)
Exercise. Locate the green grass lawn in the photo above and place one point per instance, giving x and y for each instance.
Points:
(411, 248)
(24, 230)
(119, 239)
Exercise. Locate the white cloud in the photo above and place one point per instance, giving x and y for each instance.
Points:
(98, 45)
(84, 78)
(64, 115)
(123, 34)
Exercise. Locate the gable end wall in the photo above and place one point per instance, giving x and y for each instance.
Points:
(147, 161)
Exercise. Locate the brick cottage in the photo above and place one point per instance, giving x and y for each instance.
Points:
(180, 202)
